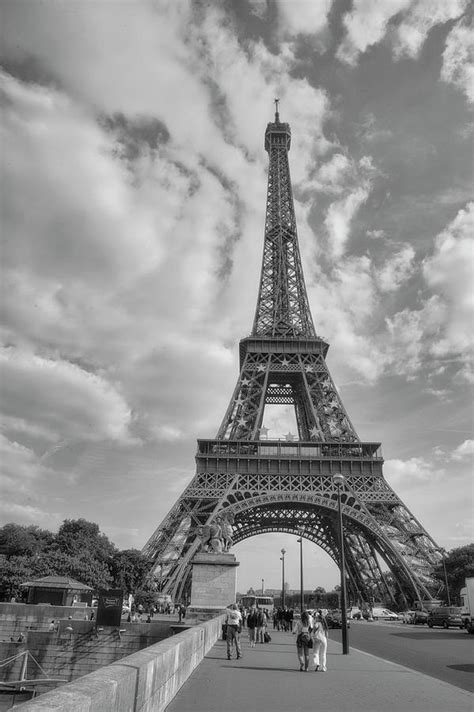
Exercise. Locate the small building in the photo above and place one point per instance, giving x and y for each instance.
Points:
(58, 591)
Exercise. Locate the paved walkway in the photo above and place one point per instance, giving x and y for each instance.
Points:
(267, 679)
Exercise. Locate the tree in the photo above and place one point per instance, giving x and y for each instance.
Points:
(78, 536)
(459, 565)
(130, 571)
(17, 540)
(13, 572)
(83, 568)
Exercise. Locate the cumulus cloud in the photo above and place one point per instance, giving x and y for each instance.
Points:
(464, 451)
(411, 472)
(409, 334)
(79, 199)
(404, 23)
(450, 272)
(396, 269)
(366, 24)
(352, 182)
(410, 34)
(62, 398)
(458, 65)
(302, 17)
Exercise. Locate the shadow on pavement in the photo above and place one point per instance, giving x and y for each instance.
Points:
(462, 668)
(433, 635)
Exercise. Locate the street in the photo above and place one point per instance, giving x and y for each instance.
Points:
(447, 655)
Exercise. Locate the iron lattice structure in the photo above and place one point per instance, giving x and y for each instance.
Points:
(275, 486)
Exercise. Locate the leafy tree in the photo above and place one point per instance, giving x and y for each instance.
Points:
(83, 568)
(17, 540)
(78, 536)
(130, 571)
(13, 572)
(459, 565)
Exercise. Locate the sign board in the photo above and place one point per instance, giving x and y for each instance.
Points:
(109, 609)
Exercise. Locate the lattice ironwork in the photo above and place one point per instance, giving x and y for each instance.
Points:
(273, 486)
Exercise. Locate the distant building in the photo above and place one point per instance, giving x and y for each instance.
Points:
(58, 591)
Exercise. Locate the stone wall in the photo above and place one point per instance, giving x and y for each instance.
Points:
(69, 654)
(143, 682)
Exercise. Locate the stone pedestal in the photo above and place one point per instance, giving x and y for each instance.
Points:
(213, 585)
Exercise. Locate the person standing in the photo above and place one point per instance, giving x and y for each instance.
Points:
(252, 625)
(320, 642)
(233, 627)
(303, 640)
(261, 620)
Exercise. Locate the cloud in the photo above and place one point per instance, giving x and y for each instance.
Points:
(299, 17)
(404, 23)
(62, 398)
(450, 272)
(409, 334)
(366, 24)
(458, 66)
(396, 270)
(410, 34)
(464, 451)
(413, 471)
(80, 201)
(339, 217)
(352, 180)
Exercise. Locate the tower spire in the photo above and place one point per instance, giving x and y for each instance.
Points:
(282, 304)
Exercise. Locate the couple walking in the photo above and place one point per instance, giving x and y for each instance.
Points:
(312, 635)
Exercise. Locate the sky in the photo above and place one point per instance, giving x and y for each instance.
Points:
(134, 178)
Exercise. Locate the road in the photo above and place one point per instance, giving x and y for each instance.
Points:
(447, 655)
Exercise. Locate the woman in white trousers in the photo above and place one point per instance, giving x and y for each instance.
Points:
(320, 642)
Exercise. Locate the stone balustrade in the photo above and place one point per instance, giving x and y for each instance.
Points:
(142, 682)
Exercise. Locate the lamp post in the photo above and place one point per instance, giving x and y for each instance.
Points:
(443, 553)
(263, 586)
(300, 542)
(282, 559)
(339, 480)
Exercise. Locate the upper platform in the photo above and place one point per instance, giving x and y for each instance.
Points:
(277, 134)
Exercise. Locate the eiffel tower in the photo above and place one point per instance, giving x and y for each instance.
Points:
(286, 486)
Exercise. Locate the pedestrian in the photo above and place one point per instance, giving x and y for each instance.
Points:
(304, 641)
(51, 626)
(233, 628)
(252, 625)
(320, 640)
(261, 620)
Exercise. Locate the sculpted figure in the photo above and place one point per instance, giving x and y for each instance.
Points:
(211, 537)
(226, 522)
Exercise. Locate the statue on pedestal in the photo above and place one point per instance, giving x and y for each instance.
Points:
(216, 537)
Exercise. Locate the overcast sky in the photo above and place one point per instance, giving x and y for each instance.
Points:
(134, 183)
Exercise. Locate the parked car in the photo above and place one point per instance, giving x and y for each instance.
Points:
(383, 614)
(446, 616)
(420, 617)
(407, 616)
(334, 619)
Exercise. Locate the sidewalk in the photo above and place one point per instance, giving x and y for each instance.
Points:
(267, 679)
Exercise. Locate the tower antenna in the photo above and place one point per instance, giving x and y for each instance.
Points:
(277, 115)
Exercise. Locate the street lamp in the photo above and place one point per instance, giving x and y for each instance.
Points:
(300, 542)
(443, 554)
(282, 559)
(339, 480)
(263, 586)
